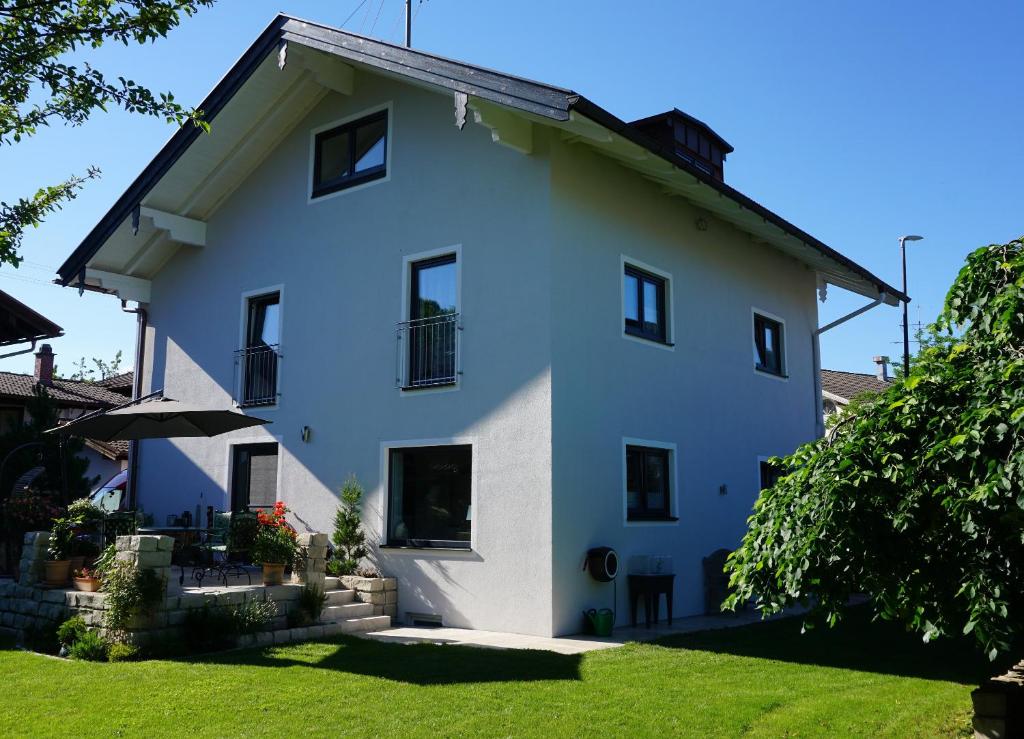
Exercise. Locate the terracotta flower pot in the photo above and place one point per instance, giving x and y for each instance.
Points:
(273, 574)
(77, 563)
(57, 572)
(88, 584)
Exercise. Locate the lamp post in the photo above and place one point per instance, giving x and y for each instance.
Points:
(906, 320)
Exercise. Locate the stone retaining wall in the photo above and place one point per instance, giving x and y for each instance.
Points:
(380, 592)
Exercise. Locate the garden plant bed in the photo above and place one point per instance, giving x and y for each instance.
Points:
(860, 679)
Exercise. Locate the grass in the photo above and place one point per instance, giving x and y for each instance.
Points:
(859, 679)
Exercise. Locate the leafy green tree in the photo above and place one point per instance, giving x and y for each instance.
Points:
(101, 369)
(348, 538)
(916, 496)
(40, 84)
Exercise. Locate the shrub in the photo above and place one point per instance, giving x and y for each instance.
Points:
(312, 600)
(123, 653)
(348, 538)
(130, 591)
(89, 646)
(59, 544)
(71, 631)
(334, 567)
(253, 616)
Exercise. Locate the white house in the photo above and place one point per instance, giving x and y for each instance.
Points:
(527, 326)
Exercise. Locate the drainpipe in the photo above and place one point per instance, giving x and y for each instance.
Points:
(819, 419)
(21, 351)
(140, 359)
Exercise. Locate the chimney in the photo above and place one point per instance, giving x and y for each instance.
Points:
(882, 368)
(44, 365)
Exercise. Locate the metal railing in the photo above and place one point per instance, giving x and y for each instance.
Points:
(257, 375)
(428, 351)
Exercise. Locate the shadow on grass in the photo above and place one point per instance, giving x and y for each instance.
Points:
(419, 664)
(856, 643)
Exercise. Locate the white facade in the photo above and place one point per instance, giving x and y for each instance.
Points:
(551, 391)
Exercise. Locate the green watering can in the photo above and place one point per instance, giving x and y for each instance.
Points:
(601, 621)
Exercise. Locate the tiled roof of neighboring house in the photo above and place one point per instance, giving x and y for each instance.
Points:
(65, 392)
(110, 449)
(121, 383)
(848, 385)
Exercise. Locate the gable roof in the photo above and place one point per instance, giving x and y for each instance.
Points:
(122, 383)
(845, 386)
(14, 386)
(19, 323)
(538, 103)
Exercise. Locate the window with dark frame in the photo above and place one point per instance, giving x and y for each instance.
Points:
(259, 356)
(430, 496)
(644, 307)
(648, 491)
(769, 474)
(350, 154)
(253, 476)
(768, 340)
(433, 322)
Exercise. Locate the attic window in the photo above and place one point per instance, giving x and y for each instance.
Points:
(350, 154)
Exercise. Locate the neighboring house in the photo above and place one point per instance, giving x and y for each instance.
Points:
(121, 384)
(19, 324)
(839, 388)
(73, 399)
(527, 326)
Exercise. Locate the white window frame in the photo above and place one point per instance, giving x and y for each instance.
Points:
(673, 475)
(407, 261)
(385, 493)
(229, 464)
(784, 377)
(243, 325)
(670, 324)
(389, 107)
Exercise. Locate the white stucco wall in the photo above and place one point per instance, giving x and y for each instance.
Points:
(340, 262)
(703, 396)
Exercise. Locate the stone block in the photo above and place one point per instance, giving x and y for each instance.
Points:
(145, 543)
(282, 636)
(314, 553)
(123, 543)
(300, 634)
(363, 584)
(53, 596)
(165, 543)
(316, 631)
(390, 583)
(264, 638)
(333, 629)
(32, 537)
(245, 640)
(377, 599)
(152, 559)
(378, 610)
(283, 592)
(390, 597)
(231, 598)
(176, 618)
(392, 611)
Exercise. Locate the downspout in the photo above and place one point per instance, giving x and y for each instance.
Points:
(140, 359)
(819, 419)
(32, 348)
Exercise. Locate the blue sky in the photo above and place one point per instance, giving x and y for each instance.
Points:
(856, 121)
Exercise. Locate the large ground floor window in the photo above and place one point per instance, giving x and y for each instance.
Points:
(429, 496)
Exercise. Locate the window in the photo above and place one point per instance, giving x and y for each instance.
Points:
(253, 476)
(433, 322)
(768, 345)
(259, 356)
(350, 154)
(429, 498)
(644, 304)
(768, 473)
(647, 484)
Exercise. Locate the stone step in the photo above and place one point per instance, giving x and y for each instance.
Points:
(332, 583)
(339, 597)
(333, 614)
(359, 625)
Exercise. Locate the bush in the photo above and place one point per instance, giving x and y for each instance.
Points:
(334, 567)
(71, 631)
(130, 591)
(253, 616)
(123, 653)
(90, 646)
(348, 538)
(312, 601)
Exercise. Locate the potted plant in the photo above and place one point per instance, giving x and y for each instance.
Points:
(87, 579)
(58, 566)
(274, 546)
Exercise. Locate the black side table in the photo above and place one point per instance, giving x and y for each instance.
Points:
(650, 587)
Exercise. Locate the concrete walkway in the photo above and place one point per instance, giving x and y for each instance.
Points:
(561, 644)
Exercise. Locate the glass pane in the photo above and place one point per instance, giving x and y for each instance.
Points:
(656, 483)
(650, 303)
(633, 480)
(631, 288)
(262, 480)
(435, 290)
(271, 333)
(430, 494)
(334, 157)
(370, 145)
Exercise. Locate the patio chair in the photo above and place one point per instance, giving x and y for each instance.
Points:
(226, 547)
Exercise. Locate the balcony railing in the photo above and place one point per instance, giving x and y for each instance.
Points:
(257, 375)
(428, 351)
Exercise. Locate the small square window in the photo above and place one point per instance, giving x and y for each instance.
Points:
(768, 346)
(644, 304)
(350, 154)
(647, 484)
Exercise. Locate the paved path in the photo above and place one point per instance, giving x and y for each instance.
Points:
(562, 644)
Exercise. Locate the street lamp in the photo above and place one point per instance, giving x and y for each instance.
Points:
(906, 320)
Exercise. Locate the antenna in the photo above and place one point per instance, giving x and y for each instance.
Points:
(408, 24)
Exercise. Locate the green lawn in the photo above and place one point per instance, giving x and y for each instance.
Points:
(763, 680)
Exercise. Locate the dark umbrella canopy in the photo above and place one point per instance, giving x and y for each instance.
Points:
(158, 419)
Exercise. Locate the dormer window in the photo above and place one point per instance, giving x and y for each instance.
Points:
(350, 154)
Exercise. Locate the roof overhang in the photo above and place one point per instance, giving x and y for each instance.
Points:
(20, 324)
(287, 71)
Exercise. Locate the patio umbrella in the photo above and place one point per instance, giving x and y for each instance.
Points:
(157, 419)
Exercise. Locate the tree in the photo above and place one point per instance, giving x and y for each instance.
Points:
(348, 538)
(40, 85)
(916, 496)
(102, 368)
